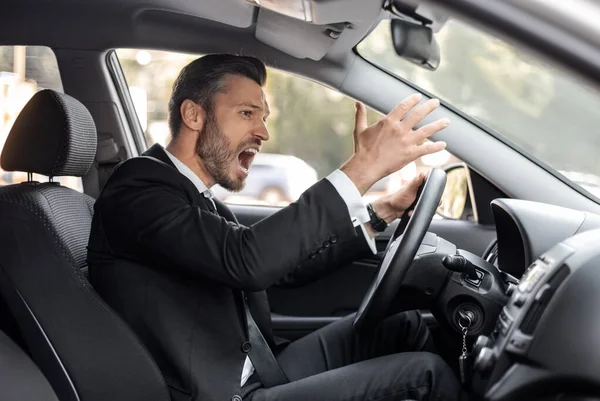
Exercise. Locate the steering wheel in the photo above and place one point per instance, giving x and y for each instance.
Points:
(400, 252)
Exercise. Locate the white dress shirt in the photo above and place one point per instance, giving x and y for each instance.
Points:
(341, 183)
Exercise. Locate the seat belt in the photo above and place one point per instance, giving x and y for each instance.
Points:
(265, 364)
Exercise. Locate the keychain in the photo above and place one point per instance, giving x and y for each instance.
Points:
(463, 359)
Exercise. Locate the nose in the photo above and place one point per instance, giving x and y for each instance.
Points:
(262, 131)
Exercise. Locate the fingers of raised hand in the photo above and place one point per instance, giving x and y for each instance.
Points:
(419, 113)
(360, 120)
(404, 107)
(428, 130)
(428, 148)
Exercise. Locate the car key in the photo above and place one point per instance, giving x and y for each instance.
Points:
(464, 363)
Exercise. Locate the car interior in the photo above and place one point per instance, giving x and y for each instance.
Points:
(514, 273)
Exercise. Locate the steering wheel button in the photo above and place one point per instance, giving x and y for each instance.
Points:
(333, 239)
(327, 244)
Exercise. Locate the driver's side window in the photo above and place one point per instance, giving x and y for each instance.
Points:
(310, 127)
(311, 135)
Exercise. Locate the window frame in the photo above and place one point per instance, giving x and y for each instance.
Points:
(122, 88)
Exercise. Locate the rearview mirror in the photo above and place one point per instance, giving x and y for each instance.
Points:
(416, 44)
(454, 198)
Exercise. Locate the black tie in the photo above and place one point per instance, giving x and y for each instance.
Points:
(266, 366)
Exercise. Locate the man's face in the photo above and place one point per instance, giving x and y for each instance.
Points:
(233, 132)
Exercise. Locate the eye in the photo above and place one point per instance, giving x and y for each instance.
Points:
(246, 113)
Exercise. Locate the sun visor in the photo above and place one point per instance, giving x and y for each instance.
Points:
(318, 12)
(295, 37)
(237, 13)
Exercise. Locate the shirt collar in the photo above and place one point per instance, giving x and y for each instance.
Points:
(186, 171)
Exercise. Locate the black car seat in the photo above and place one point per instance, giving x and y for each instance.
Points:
(20, 379)
(82, 347)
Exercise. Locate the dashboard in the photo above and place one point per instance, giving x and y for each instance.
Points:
(525, 230)
(545, 340)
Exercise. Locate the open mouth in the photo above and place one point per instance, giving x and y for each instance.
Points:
(245, 158)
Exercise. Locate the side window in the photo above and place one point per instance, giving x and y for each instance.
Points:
(310, 130)
(25, 70)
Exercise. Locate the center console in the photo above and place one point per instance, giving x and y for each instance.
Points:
(546, 340)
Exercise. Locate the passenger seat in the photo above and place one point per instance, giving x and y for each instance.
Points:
(83, 348)
(20, 379)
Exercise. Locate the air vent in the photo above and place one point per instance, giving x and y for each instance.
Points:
(535, 312)
(492, 255)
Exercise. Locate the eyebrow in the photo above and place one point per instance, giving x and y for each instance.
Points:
(256, 107)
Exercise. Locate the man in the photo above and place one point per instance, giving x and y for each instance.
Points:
(190, 280)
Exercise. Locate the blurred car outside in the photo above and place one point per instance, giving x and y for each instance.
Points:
(278, 180)
(274, 180)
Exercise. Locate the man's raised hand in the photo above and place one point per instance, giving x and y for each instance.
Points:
(390, 144)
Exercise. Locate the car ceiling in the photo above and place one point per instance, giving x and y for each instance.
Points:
(188, 25)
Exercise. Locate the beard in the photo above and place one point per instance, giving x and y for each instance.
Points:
(216, 152)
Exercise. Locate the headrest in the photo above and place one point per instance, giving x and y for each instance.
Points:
(54, 135)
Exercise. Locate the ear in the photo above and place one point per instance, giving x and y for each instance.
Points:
(192, 115)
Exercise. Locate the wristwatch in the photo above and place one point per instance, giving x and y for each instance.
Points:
(376, 222)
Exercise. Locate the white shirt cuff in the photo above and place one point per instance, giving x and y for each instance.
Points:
(354, 203)
(370, 240)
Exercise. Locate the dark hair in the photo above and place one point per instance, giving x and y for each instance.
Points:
(202, 79)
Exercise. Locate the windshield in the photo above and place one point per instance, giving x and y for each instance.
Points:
(539, 108)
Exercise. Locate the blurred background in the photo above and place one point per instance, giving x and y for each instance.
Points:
(311, 125)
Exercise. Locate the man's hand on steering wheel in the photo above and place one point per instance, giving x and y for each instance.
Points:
(399, 254)
(393, 206)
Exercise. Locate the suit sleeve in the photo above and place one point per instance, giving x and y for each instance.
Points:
(362, 245)
(326, 259)
(148, 218)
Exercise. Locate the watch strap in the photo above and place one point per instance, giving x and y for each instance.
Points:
(376, 222)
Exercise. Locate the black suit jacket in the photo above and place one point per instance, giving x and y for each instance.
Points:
(174, 271)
